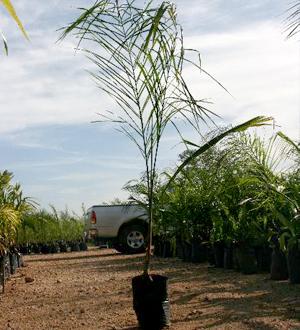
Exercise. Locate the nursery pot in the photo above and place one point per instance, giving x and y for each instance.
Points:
(218, 249)
(247, 260)
(228, 257)
(167, 250)
(199, 252)
(279, 269)
(263, 256)
(150, 301)
(13, 260)
(45, 248)
(179, 248)
(157, 246)
(83, 246)
(63, 247)
(75, 247)
(293, 261)
(187, 252)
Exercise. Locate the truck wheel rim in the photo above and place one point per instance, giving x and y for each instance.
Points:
(135, 239)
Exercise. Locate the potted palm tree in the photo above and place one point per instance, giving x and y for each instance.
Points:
(139, 57)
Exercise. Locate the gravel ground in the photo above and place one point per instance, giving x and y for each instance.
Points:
(92, 290)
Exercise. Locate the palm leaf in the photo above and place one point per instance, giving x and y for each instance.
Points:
(255, 122)
(11, 10)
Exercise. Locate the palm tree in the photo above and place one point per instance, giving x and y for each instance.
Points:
(139, 57)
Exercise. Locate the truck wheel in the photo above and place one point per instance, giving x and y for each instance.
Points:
(132, 239)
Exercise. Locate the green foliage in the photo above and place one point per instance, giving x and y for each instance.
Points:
(12, 206)
(41, 226)
(245, 190)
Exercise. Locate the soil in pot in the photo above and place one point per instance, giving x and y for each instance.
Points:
(150, 301)
(247, 260)
(279, 270)
(293, 261)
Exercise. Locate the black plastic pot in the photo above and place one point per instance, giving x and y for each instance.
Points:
(83, 246)
(13, 261)
(263, 256)
(218, 249)
(20, 260)
(156, 241)
(7, 270)
(36, 248)
(63, 247)
(54, 248)
(199, 252)
(179, 248)
(247, 260)
(150, 301)
(24, 249)
(45, 249)
(293, 261)
(235, 259)
(279, 270)
(2, 271)
(187, 252)
(75, 247)
(168, 249)
(228, 257)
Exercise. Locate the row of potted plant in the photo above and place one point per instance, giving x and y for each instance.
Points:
(42, 231)
(234, 202)
(53, 247)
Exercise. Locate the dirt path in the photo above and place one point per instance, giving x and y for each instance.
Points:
(92, 290)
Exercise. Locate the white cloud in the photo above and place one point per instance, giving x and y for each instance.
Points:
(43, 85)
(259, 69)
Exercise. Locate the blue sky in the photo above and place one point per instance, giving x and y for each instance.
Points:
(47, 100)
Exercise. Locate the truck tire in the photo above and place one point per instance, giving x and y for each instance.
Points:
(132, 239)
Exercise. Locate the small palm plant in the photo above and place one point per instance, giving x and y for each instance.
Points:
(139, 58)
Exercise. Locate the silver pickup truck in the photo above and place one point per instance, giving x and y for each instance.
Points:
(124, 225)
